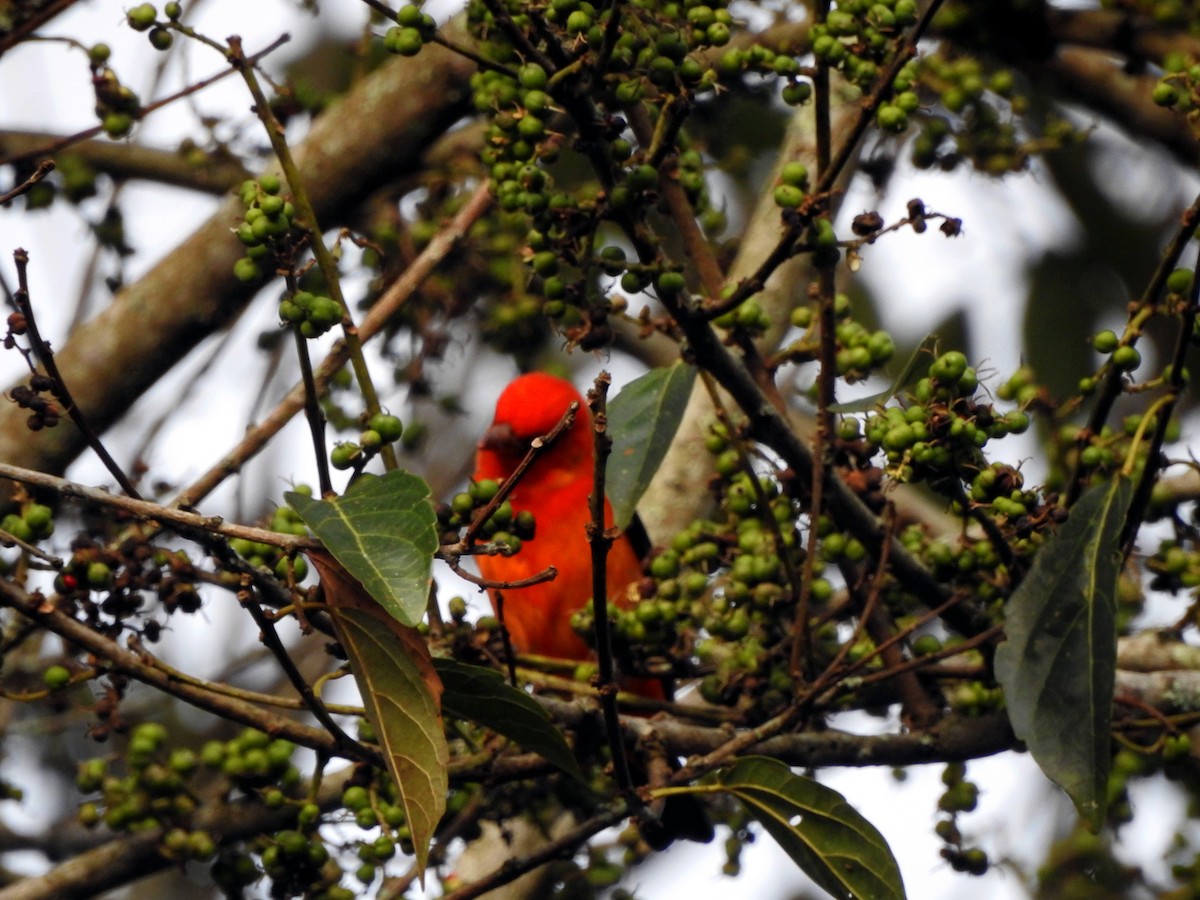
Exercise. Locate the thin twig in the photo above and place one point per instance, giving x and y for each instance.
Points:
(46, 357)
(600, 541)
(45, 167)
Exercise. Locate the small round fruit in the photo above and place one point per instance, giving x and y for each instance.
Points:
(1126, 358)
(1105, 342)
(56, 677)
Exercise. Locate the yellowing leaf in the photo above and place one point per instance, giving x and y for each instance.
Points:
(395, 676)
(401, 694)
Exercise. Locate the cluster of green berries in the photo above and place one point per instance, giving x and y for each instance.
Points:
(313, 314)
(284, 520)
(117, 106)
(960, 796)
(380, 430)
(1122, 354)
(1175, 566)
(505, 528)
(413, 30)
(942, 429)
(267, 230)
(151, 795)
(144, 17)
(855, 37)
(1179, 87)
(298, 863)
(860, 351)
(254, 762)
(35, 522)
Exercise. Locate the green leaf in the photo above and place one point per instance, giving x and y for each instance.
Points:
(483, 696)
(642, 420)
(384, 531)
(400, 692)
(1058, 665)
(825, 836)
(862, 404)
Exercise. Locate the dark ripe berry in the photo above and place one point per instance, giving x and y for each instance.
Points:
(866, 223)
(17, 323)
(161, 39)
(951, 227)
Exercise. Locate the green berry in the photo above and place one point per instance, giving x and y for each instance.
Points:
(1126, 358)
(56, 677)
(389, 427)
(788, 196)
(142, 17)
(533, 77)
(1105, 342)
(1180, 281)
(247, 270)
(161, 39)
(949, 368)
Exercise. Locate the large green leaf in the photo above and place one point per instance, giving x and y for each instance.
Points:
(825, 836)
(400, 692)
(642, 420)
(384, 531)
(1058, 665)
(483, 696)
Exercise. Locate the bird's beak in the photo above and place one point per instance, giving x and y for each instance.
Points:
(500, 438)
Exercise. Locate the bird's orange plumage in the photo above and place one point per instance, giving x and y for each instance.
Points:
(555, 489)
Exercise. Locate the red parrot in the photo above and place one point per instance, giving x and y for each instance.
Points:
(555, 489)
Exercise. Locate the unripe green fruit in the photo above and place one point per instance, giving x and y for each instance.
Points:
(949, 368)
(247, 270)
(788, 196)
(117, 124)
(389, 427)
(1126, 358)
(1165, 94)
(161, 39)
(532, 77)
(99, 576)
(173, 11)
(99, 53)
(671, 282)
(142, 16)
(1180, 281)
(344, 455)
(1105, 342)
(403, 41)
(578, 22)
(56, 677)
(794, 174)
(409, 15)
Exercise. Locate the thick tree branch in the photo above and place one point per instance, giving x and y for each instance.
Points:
(373, 134)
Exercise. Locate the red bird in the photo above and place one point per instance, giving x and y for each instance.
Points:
(555, 489)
